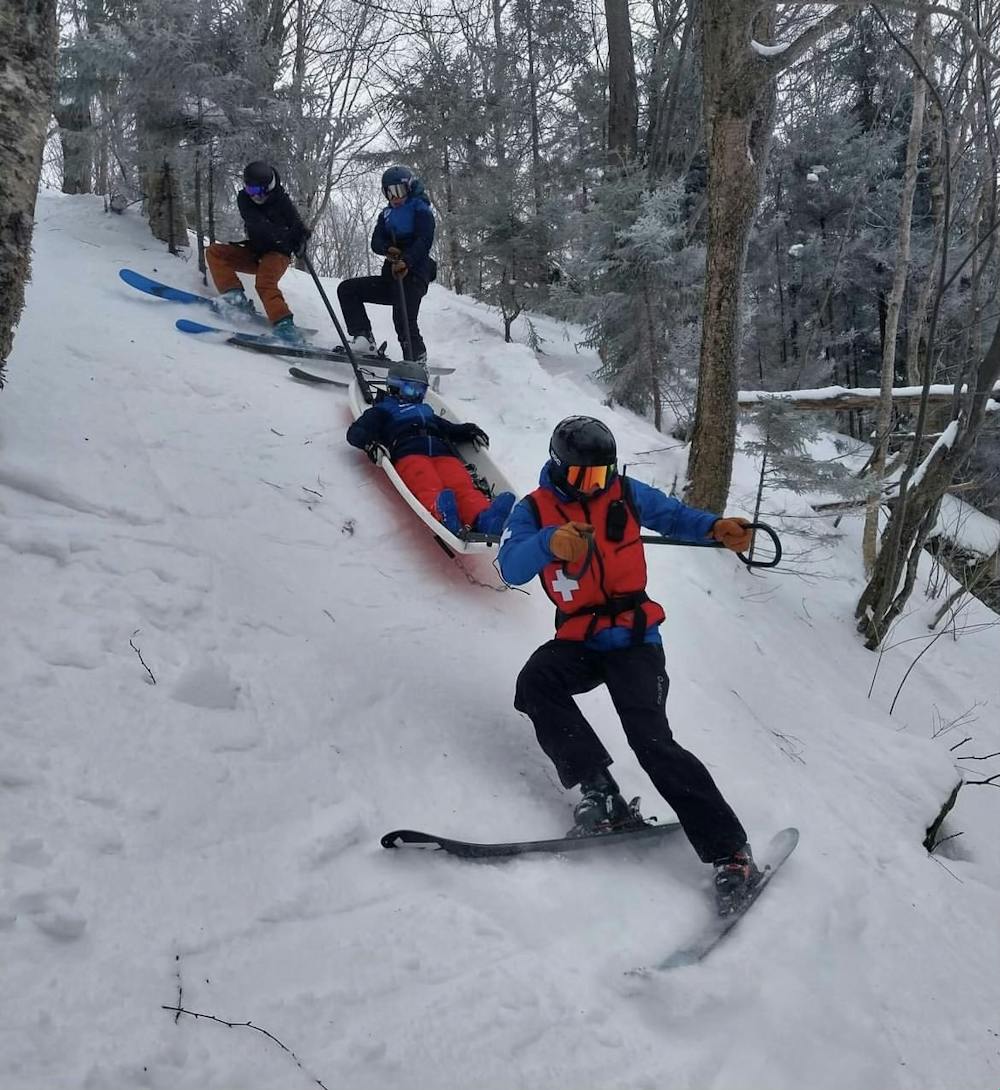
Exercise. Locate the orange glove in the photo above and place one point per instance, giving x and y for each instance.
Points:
(571, 542)
(393, 253)
(399, 269)
(735, 534)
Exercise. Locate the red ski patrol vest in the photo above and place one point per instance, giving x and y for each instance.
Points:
(609, 586)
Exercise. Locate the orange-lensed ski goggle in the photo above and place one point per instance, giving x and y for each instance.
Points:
(588, 480)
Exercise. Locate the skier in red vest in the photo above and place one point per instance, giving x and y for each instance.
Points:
(579, 531)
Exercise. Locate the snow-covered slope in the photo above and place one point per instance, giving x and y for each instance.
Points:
(323, 673)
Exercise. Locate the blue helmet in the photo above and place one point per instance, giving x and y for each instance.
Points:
(407, 380)
(401, 177)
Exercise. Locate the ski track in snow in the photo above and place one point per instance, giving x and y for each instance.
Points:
(324, 673)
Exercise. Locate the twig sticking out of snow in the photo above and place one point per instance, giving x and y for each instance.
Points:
(179, 1010)
(141, 659)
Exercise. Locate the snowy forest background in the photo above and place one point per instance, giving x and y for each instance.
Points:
(234, 658)
(571, 150)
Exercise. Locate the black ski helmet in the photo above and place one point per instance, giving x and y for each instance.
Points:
(259, 173)
(398, 175)
(582, 441)
(408, 380)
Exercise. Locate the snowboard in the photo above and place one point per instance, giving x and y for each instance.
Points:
(466, 849)
(262, 342)
(774, 856)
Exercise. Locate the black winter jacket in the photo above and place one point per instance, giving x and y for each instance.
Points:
(275, 225)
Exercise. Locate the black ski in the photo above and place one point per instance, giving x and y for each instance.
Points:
(308, 376)
(775, 854)
(465, 849)
(316, 352)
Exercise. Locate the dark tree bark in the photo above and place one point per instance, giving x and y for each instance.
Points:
(739, 119)
(623, 94)
(76, 135)
(27, 82)
(739, 104)
(660, 139)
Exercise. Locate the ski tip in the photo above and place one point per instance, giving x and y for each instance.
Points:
(185, 325)
(409, 838)
(316, 380)
(788, 837)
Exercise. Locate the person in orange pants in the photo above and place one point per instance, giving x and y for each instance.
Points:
(421, 445)
(275, 232)
(226, 259)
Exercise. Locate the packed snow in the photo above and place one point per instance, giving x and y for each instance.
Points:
(232, 658)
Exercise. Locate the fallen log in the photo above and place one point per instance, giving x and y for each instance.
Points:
(842, 399)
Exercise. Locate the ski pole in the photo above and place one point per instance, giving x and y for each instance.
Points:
(656, 539)
(363, 384)
(402, 305)
(406, 317)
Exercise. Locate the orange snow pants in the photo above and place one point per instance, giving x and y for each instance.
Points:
(225, 260)
(426, 476)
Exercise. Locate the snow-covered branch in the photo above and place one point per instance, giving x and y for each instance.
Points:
(830, 398)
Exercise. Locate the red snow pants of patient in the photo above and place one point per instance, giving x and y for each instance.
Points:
(426, 476)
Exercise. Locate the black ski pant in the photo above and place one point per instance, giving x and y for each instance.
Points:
(637, 680)
(354, 293)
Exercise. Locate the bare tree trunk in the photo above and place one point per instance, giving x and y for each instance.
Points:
(895, 302)
(660, 139)
(499, 85)
(27, 82)
(211, 191)
(623, 95)
(536, 154)
(916, 334)
(198, 220)
(454, 250)
(739, 106)
(76, 135)
(913, 515)
(739, 117)
(165, 205)
(648, 342)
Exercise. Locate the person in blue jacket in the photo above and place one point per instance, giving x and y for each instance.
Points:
(404, 233)
(421, 446)
(579, 532)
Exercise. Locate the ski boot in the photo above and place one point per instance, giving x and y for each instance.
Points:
(285, 329)
(446, 511)
(491, 519)
(736, 876)
(603, 809)
(234, 302)
(363, 342)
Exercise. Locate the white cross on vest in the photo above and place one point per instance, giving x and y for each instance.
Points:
(565, 586)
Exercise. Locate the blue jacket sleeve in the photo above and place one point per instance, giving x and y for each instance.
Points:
(380, 238)
(419, 249)
(667, 515)
(524, 549)
(368, 428)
